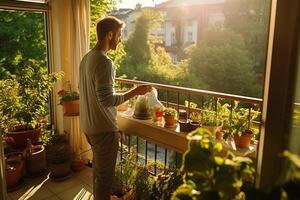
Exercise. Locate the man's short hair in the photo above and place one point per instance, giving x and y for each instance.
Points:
(107, 24)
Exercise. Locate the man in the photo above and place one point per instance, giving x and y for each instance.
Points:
(98, 101)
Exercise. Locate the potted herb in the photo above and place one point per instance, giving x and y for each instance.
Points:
(240, 126)
(208, 176)
(141, 108)
(69, 99)
(24, 102)
(170, 115)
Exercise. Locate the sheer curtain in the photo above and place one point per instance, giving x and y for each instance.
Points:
(70, 41)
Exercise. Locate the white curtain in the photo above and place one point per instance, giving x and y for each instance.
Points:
(70, 41)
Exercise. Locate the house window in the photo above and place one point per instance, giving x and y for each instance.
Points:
(190, 36)
(173, 38)
(24, 39)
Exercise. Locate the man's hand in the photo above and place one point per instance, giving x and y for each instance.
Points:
(143, 89)
(139, 90)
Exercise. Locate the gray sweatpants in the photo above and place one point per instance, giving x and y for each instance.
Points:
(105, 149)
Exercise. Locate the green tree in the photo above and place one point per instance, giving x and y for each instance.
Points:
(22, 40)
(221, 63)
(144, 60)
(250, 19)
(98, 10)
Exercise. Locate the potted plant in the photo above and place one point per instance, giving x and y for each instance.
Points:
(166, 183)
(240, 126)
(141, 108)
(23, 102)
(122, 188)
(69, 99)
(170, 115)
(142, 183)
(14, 167)
(206, 175)
(59, 158)
(35, 159)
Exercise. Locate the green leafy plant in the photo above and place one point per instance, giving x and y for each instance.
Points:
(209, 176)
(142, 184)
(166, 183)
(67, 95)
(124, 175)
(24, 98)
(170, 112)
(59, 154)
(59, 150)
(240, 121)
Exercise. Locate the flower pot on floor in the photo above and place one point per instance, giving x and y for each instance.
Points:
(13, 169)
(20, 134)
(128, 196)
(61, 170)
(35, 159)
(77, 165)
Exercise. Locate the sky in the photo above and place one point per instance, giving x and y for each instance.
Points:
(132, 3)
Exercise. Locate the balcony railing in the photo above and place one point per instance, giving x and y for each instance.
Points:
(180, 98)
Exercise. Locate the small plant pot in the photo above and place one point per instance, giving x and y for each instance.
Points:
(71, 108)
(169, 120)
(14, 169)
(128, 196)
(184, 125)
(60, 170)
(243, 141)
(219, 133)
(36, 160)
(77, 165)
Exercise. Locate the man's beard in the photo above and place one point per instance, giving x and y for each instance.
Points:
(113, 44)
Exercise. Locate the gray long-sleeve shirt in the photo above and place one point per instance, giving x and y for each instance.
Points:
(97, 95)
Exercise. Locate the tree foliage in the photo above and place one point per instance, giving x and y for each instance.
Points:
(250, 19)
(144, 59)
(222, 62)
(22, 38)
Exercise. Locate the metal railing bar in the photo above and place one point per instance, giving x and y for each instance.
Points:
(193, 91)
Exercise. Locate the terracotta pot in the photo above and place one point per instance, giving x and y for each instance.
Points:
(35, 159)
(243, 141)
(71, 108)
(20, 137)
(60, 170)
(77, 165)
(219, 133)
(14, 169)
(128, 196)
(169, 120)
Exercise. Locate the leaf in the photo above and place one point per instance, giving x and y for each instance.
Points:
(219, 160)
(218, 147)
(295, 159)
